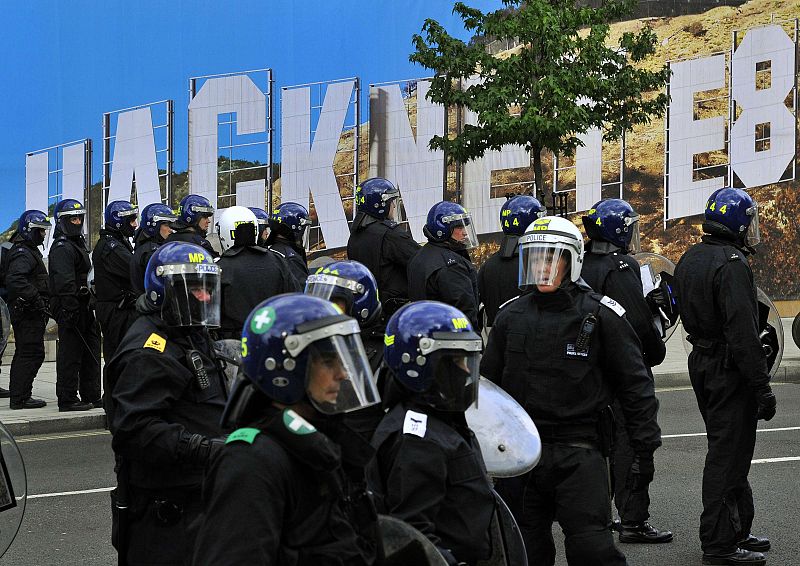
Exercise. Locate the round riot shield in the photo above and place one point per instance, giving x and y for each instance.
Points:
(13, 489)
(508, 547)
(770, 330)
(509, 441)
(404, 545)
(796, 330)
(230, 352)
(657, 273)
(5, 325)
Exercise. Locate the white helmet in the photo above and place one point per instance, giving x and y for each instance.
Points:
(541, 248)
(229, 220)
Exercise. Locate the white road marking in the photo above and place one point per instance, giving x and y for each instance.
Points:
(691, 434)
(22, 439)
(771, 460)
(61, 493)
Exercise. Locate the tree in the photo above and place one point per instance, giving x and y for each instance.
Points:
(561, 82)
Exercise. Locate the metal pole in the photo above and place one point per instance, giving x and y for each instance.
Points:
(731, 107)
(87, 185)
(621, 166)
(170, 150)
(666, 158)
(270, 133)
(106, 159)
(356, 141)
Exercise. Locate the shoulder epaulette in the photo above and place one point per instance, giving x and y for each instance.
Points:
(247, 435)
(155, 342)
(613, 305)
(511, 300)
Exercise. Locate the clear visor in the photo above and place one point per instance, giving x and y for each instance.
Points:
(34, 224)
(339, 378)
(132, 212)
(394, 209)
(192, 294)
(541, 264)
(753, 236)
(455, 380)
(72, 212)
(462, 229)
(635, 245)
(305, 236)
(163, 218)
(205, 210)
(331, 287)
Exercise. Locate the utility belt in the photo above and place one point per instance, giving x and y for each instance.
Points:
(705, 343)
(167, 507)
(712, 347)
(585, 435)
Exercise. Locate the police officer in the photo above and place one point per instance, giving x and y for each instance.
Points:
(728, 369)
(283, 470)
(562, 351)
(263, 224)
(194, 218)
(288, 235)
(28, 296)
(166, 401)
(613, 229)
(429, 470)
(499, 274)
(250, 273)
(78, 356)
(153, 231)
(442, 270)
(380, 243)
(113, 254)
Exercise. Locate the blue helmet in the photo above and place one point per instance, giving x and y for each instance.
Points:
(118, 216)
(263, 221)
(443, 218)
(374, 197)
(613, 220)
(194, 207)
(350, 282)
(33, 226)
(518, 212)
(297, 348)
(67, 209)
(154, 215)
(183, 280)
(434, 354)
(290, 220)
(732, 214)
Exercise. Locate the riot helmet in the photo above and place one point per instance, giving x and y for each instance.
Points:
(193, 209)
(378, 198)
(33, 226)
(236, 226)
(263, 223)
(434, 355)
(613, 220)
(550, 251)
(67, 210)
(732, 214)
(154, 216)
(350, 285)
(443, 220)
(183, 280)
(120, 215)
(518, 212)
(298, 348)
(291, 221)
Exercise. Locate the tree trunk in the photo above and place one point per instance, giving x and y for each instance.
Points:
(538, 176)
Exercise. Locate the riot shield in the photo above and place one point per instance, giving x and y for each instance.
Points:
(770, 332)
(404, 545)
(230, 352)
(657, 273)
(796, 330)
(508, 548)
(509, 441)
(5, 325)
(13, 489)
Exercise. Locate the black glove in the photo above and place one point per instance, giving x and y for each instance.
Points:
(642, 471)
(766, 403)
(42, 304)
(657, 300)
(199, 450)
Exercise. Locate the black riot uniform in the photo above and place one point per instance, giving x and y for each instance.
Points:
(163, 415)
(498, 277)
(441, 272)
(727, 366)
(386, 249)
(435, 479)
(303, 517)
(534, 352)
(78, 358)
(294, 254)
(145, 247)
(250, 274)
(116, 298)
(28, 297)
(186, 233)
(617, 275)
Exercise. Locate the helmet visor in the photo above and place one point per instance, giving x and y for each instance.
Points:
(462, 229)
(339, 378)
(393, 213)
(635, 245)
(455, 380)
(333, 288)
(753, 236)
(541, 264)
(191, 294)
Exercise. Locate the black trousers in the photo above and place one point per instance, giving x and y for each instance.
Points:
(729, 409)
(632, 506)
(569, 485)
(78, 360)
(114, 323)
(29, 327)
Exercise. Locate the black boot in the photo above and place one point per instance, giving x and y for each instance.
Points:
(75, 406)
(745, 557)
(752, 542)
(4, 393)
(29, 403)
(643, 533)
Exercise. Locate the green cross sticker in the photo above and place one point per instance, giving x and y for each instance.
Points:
(296, 423)
(262, 320)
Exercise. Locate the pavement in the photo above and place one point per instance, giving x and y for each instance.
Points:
(673, 372)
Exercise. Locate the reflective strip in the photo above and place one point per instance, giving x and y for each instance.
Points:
(131, 212)
(186, 268)
(327, 279)
(428, 345)
(299, 342)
